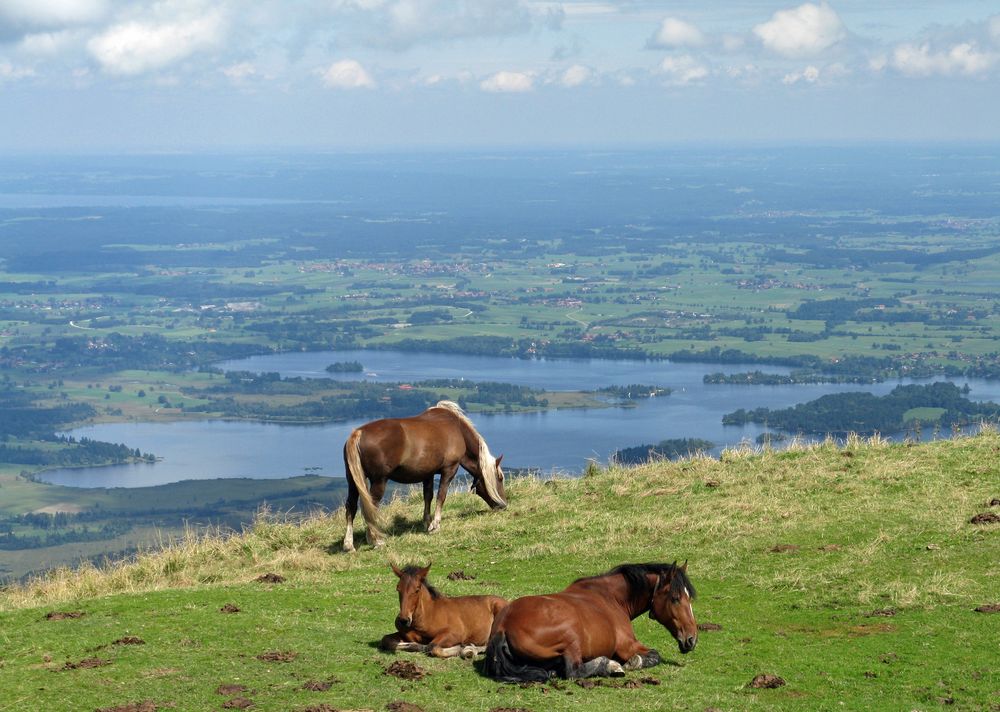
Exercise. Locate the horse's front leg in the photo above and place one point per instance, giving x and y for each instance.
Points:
(447, 475)
(597, 667)
(636, 655)
(428, 497)
(402, 642)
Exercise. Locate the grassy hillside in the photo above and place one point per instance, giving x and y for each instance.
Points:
(852, 573)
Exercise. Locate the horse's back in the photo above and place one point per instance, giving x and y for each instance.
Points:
(545, 626)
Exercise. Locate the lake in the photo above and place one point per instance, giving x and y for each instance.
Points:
(554, 441)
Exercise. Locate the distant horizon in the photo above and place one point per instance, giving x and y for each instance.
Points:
(471, 149)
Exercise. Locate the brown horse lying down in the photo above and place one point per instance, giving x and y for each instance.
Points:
(586, 630)
(429, 622)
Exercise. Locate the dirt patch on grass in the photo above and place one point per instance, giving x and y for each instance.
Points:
(129, 640)
(783, 548)
(460, 575)
(995, 502)
(830, 547)
(405, 670)
(85, 664)
(238, 703)
(883, 613)
(870, 629)
(510, 709)
(767, 682)
(401, 706)
(63, 615)
(270, 578)
(229, 608)
(317, 686)
(144, 706)
(322, 707)
(278, 656)
(988, 608)
(228, 690)
(709, 626)
(985, 518)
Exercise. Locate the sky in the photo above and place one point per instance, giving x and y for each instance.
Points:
(181, 75)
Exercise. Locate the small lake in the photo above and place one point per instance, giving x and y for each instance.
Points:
(560, 441)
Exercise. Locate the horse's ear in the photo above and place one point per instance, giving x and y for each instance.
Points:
(499, 459)
(395, 570)
(684, 566)
(423, 572)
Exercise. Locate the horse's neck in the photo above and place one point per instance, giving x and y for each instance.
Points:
(616, 588)
(424, 614)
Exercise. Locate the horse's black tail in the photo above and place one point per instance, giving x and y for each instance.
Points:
(500, 663)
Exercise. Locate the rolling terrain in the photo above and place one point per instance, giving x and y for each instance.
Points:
(853, 573)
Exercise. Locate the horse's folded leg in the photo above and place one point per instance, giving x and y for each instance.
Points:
(633, 663)
(471, 651)
(598, 667)
(450, 652)
(412, 648)
(651, 658)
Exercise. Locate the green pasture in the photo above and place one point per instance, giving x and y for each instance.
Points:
(851, 573)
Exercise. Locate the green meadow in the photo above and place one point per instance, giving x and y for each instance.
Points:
(852, 573)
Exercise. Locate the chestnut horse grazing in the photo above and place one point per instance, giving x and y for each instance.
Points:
(586, 629)
(412, 450)
(429, 622)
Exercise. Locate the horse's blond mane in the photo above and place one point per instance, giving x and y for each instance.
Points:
(487, 463)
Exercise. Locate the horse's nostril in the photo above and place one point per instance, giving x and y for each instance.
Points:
(691, 642)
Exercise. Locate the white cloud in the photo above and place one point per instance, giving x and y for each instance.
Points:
(810, 75)
(50, 14)
(403, 23)
(137, 47)
(994, 28)
(801, 31)
(10, 72)
(508, 82)
(675, 33)
(241, 71)
(683, 69)
(921, 61)
(576, 76)
(49, 43)
(348, 74)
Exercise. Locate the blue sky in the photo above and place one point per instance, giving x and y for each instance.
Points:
(98, 75)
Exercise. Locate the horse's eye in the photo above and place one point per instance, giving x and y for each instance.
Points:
(675, 599)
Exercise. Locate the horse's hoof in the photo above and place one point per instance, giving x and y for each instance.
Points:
(379, 544)
(468, 652)
(615, 669)
(651, 658)
(634, 662)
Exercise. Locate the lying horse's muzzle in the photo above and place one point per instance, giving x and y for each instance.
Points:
(403, 623)
(686, 645)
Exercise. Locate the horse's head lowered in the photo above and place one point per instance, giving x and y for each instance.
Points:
(496, 499)
(411, 580)
(671, 606)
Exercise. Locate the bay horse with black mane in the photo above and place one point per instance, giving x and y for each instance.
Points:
(442, 626)
(411, 450)
(586, 629)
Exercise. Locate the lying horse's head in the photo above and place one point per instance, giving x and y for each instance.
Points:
(412, 579)
(671, 607)
(488, 484)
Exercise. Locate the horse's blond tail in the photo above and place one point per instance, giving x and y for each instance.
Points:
(356, 473)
